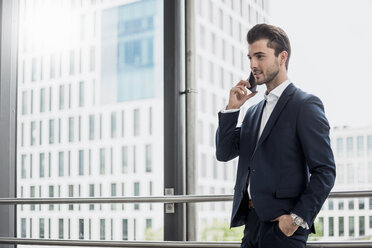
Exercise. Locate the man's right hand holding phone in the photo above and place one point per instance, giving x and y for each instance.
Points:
(239, 95)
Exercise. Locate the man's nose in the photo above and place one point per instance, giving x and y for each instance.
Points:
(253, 64)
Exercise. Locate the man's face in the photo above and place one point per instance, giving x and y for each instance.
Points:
(264, 64)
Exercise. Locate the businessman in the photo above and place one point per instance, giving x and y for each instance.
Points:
(286, 167)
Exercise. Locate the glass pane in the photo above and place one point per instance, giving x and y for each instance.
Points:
(221, 60)
(90, 97)
(221, 48)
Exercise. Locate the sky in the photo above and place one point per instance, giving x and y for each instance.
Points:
(331, 54)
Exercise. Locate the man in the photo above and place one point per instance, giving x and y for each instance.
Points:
(286, 167)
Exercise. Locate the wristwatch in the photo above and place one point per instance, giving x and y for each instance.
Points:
(298, 221)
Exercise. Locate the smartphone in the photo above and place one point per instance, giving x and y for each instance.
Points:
(252, 82)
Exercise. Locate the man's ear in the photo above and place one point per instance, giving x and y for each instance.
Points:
(283, 56)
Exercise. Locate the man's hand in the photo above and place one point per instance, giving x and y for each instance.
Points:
(286, 225)
(239, 95)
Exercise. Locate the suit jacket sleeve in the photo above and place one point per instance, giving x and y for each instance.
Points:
(313, 133)
(227, 136)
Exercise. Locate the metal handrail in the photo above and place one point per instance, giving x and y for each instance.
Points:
(168, 244)
(133, 199)
(155, 199)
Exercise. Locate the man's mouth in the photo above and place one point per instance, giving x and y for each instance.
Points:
(256, 73)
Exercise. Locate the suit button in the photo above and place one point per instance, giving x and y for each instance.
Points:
(242, 192)
(253, 170)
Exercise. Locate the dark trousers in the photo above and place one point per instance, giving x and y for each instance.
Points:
(259, 234)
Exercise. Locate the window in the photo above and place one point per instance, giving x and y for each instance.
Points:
(91, 194)
(150, 121)
(24, 102)
(124, 159)
(60, 229)
(31, 165)
(134, 229)
(81, 228)
(148, 158)
(136, 122)
(113, 193)
(81, 162)
(72, 62)
(351, 204)
(349, 145)
(32, 194)
(92, 65)
(70, 129)
(42, 165)
(81, 94)
(148, 223)
(134, 159)
(41, 228)
(102, 161)
(52, 72)
(23, 165)
(51, 194)
(32, 133)
(351, 226)
(61, 97)
(330, 204)
(341, 231)
(125, 229)
(113, 125)
(71, 194)
(136, 193)
(330, 226)
(361, 203)
(23, 227)
(61, 164)
(341, 205)
(42, 100)
(51, 131)
(102, 229)
(70, 95)
(91, 127)
(122, 123)
(361, 225)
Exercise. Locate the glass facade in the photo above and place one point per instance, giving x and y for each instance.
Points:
(90, 120)
(90, 116)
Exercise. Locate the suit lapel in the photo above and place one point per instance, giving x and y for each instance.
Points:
(286, 95)
(256, 122)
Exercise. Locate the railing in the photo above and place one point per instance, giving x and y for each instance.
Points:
(159, 199)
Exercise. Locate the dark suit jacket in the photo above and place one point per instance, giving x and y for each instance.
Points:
(291, 166)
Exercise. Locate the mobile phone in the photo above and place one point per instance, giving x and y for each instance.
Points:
(252, 82)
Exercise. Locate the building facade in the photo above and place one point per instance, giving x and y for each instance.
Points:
(350, 218)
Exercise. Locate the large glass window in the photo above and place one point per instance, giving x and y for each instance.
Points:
(90, 85)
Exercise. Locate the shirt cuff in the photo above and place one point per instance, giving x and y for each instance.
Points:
(224, 111)
(303, 223)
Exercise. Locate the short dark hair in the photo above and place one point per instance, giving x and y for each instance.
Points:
(278, 39)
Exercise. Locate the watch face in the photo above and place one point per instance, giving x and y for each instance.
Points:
(297, 221)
